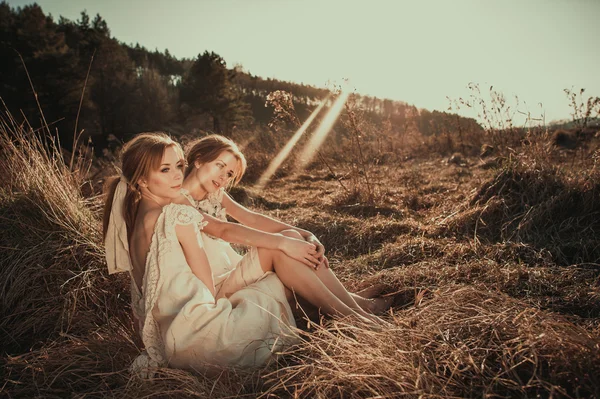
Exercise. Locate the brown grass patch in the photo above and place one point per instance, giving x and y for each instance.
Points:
(539, 206)
(478, 277)
(51, 252)
(462, 342)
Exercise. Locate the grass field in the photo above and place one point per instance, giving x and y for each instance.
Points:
(493, 266)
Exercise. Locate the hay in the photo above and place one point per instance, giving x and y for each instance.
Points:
(51, 256)
(536, 205)
(97, 365)
(350, 236)
(476, 293)
(461, 343)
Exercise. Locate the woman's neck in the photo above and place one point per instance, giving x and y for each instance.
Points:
(194, 187)
(154, 200)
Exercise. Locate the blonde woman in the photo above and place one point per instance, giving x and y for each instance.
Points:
(213, 163)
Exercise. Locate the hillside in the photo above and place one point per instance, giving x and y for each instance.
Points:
(492, 265)
(89, 83)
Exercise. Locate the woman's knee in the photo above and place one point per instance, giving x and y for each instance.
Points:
(291, 233)
(266, 258)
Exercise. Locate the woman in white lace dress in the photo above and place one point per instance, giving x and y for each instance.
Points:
(214, 162)
(185, 319)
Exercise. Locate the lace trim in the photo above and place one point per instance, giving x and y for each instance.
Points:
(137, 304)
(211, 205)
(163, 241)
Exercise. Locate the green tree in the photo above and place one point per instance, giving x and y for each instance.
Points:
(113, 89)
(207, 88)
(155, 100)
(31, 43)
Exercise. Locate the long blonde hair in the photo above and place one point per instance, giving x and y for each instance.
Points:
(208, 148)
(141, 155)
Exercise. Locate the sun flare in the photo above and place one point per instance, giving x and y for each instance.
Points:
(322, 131)
(285, 151)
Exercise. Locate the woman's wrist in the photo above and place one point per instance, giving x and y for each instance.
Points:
(280, 241)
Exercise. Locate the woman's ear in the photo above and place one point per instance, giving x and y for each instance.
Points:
(197, 165)
(143, 183)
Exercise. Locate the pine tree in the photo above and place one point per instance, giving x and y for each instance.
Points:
(207, 88)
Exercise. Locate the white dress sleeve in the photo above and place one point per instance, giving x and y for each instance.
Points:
(179, 214)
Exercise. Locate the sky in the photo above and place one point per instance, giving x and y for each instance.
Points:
(420, 52)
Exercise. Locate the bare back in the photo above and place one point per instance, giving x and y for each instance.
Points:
(141, 238)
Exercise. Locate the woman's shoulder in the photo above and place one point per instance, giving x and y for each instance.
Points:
(181, 213)
(149, 219)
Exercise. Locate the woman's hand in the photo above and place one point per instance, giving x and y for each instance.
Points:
(320, 251)
(300, 250)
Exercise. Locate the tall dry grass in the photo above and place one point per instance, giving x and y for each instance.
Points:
(472, 318)
(52, 255)
(462, 342)
(533, 202)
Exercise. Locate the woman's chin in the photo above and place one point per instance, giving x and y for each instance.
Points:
(211, 188)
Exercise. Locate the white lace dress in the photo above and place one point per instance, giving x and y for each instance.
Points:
(222, 257)
(184, 326)
(231, 271)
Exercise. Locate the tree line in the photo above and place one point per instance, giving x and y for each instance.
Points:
(129, 89)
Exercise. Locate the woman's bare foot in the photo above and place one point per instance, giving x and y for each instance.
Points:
(371, 291)
(365, 298)
(378, 305)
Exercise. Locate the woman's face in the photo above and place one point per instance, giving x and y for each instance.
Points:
(218, 173)
(165, 182)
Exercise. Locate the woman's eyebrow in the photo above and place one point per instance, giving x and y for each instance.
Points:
(225, 163)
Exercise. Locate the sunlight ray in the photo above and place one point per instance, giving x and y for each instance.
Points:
(285, 151)
(322, 131)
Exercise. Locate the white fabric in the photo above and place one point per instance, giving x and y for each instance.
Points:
(116, 243)
(116, 246)
(222, 257)
(184, 326)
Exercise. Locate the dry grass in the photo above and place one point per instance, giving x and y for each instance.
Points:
(52, 255)
(463, 342)
(541, 206)
(494, 274)
(96, 365)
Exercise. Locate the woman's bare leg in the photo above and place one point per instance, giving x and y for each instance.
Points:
(301, 279)
(375, 306)
(328, 278)
(359, 304)
(366, 305)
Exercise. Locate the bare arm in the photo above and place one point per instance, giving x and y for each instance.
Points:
(232, 232)
(195, 255)
(265, 223)
(256, 220)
